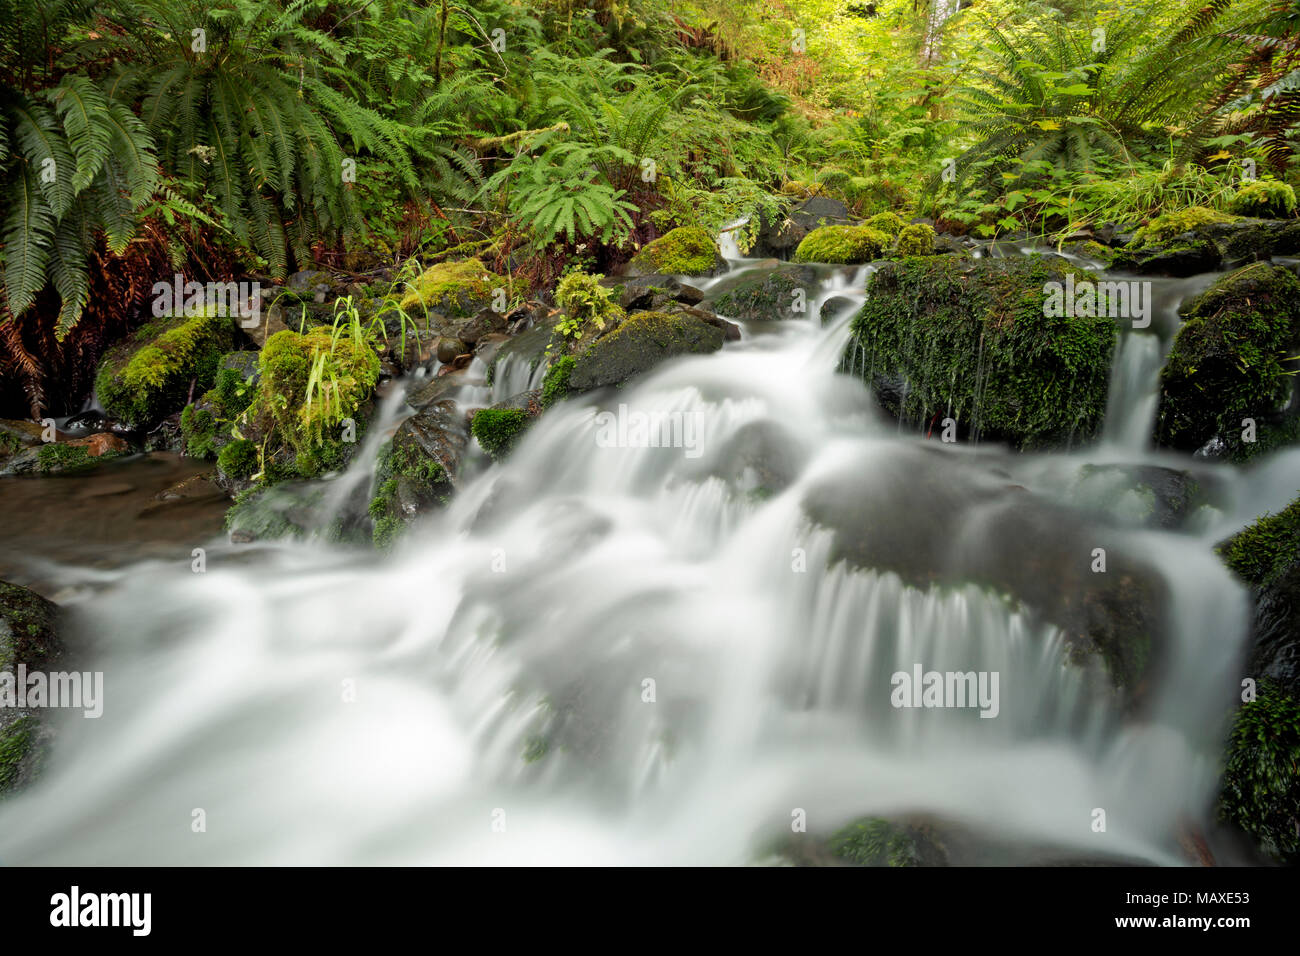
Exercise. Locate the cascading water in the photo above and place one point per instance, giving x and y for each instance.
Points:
(623, 654)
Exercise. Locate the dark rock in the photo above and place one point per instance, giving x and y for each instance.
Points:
(449, 348)
(28, 636)
(485, 322)
(640, 343)
(765, 294)
(1186, 256)
(780, 237)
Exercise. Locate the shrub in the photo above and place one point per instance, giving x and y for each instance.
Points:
(1265, 199)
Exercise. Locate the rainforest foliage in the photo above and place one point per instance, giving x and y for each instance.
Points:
(262, 137)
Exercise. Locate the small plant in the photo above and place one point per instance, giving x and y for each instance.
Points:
(1261, 782)
(587, 306)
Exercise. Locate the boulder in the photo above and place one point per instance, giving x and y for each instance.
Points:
(641, 342)
(971, 340)
(1230, 362)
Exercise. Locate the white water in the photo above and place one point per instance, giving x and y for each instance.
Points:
(599, 569)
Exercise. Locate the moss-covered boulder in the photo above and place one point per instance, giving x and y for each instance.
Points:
(1251, 240)
(1231, 361)
(28, 636)
(148, 376)
(971, 340)
(640, 343)
(763, 295)
(1265, 199)
(1266, 556)
(843, 245)
(925, 516)
(308, 385)
(417, 470)
(684, 251)
(456, 289)
(780, 234)
(1167, 227)
(1261, 774)
(207, 423)
(1184, 257)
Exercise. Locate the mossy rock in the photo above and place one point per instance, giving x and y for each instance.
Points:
(144, 379)
(968, 339)
(498, 430)
(842, 245)
(1165, 228)
(685, 251)
(28, 635)
(1189, 256)
(1266, 556)
(1261, 776)
(238, 460)
(915, 240)
(555, 386)
(313, 431)
(773, 294)
(876, 841)
(1258, 239)
(416, 470)
(640, 343)
(456, 289)
(1265, 199)
(1229, 362)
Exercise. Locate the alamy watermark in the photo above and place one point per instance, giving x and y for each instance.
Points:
(631, 428)
(946, 689)
(241, 299)
(25, 689)
(1118, 299)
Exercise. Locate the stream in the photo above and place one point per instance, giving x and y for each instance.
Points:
(636, 655)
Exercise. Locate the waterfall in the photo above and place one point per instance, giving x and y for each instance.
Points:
(639, 655)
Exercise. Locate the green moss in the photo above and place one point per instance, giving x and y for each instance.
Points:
(917, 240)
(588, 309)
(1263, 551)
(641, 342)
(1164, 228)
(456, 289)
(397, 466)
(1265, 199)
(27, 629)
(238, 459)
(1261, 778)
(16, 742)
(969, 340)
(555, 386)
(876, 842)
(1230, 360)
(889, 223)
(686, 250)
(498, 430)
(347, 370)
(59, 458)
(198, 432)
(146, 378)
(847, 245)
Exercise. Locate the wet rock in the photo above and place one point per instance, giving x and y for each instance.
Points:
(1145, 495)
(17, 436)
(485, 350)
(1231, 361)
(418, 469)
(920, 515)
(29, 637)
(101, 444)
(272, 321)
(779, 293)
(1189, 256)
(947, 338)
(166, 435)
(834, 306)
(485, 322)
(449, 348)
(640, 343)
